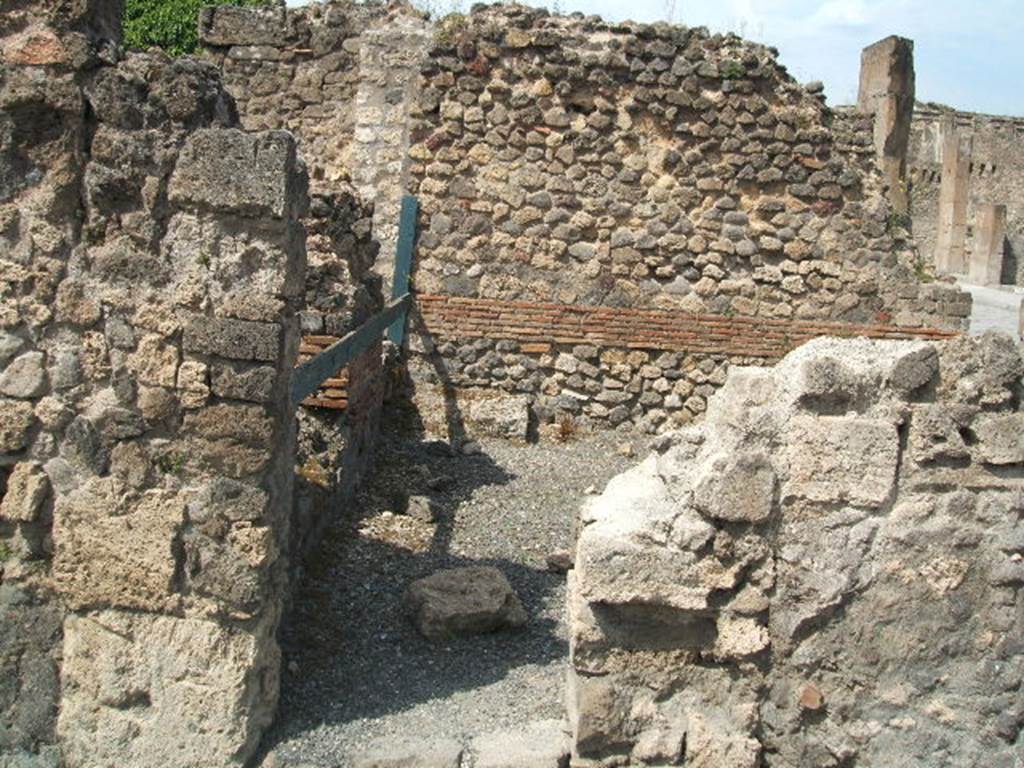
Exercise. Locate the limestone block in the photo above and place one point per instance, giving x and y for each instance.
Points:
(233, 339)
(143, 690)
(27, 488)
(25, 376)
(841, 459)
(463, 601)
(237, 440)
(192, 383)
(77, 304)
(410, 753)
(986, 262)
(155, 361)
(1000, 438)
(507, 416)
(618, 560)
(737, 488)
(16, 419)
(248, 174)
(110, 551)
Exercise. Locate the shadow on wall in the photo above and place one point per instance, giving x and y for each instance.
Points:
(402, 387)
(1011, 274)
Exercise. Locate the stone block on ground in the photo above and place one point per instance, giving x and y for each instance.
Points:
(409, 753)
(464, 601)
(421, 508)
(507, 417)
(541, 744)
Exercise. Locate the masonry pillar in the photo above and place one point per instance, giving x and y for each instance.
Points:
(389, 65)
(986, 266)
(887, 86)
(952, 235)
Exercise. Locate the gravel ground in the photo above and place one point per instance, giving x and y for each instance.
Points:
(356, 670)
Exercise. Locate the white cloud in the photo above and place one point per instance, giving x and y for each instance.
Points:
(842, 13)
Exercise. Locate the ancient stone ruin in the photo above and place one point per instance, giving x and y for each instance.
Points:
(646, 228)
(825, 571)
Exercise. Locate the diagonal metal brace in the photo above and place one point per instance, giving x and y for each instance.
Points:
(306, 378)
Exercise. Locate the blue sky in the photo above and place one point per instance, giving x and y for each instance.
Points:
(969, 55)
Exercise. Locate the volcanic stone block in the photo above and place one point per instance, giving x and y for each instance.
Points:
(248, 174)
(243, 26)
(234, 339)
(464, 601)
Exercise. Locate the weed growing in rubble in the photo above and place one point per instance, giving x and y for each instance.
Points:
(566, 429)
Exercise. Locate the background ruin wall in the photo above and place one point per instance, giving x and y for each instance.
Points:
(610, 214)
(996, 176)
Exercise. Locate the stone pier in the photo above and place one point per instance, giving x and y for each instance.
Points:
(887, 92)
(986, 265)
(952, 234)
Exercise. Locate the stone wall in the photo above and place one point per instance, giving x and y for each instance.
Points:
(299, 69)
(602, 366)
(296, 69)
(569, 161)
(827, 571)
(152, 265)
(996, 177)
(338, 425)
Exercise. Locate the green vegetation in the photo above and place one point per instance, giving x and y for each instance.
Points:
(732, 70)
(451, 28)
(6, 553)
(169, 24)
(898, 221)
(171, 463)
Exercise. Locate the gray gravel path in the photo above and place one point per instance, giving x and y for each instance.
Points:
(355, 669)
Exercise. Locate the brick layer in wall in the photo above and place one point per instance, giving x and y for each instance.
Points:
(338, 392)
(648, 329)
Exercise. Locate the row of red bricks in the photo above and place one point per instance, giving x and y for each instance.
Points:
(536, 326)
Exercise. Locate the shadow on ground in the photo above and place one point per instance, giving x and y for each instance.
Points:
(351, 653)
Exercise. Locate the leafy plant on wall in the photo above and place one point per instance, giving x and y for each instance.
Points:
(169, 24)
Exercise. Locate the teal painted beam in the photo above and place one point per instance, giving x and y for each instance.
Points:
(403, 261)
(308, 377)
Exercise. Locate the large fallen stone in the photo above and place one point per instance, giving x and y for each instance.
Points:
(410, 753)
(464, 601)
(542, 744)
